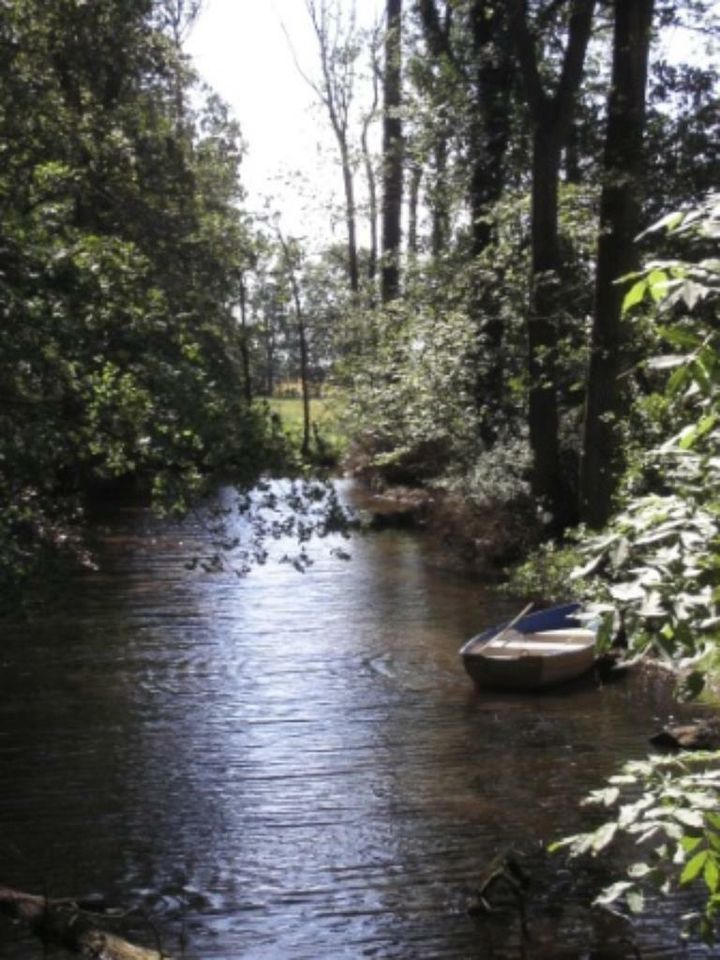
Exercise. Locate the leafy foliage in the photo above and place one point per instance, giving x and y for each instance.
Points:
(121, 249)
(668, 808)
(659, 562)
(399, 423)
(659, 559)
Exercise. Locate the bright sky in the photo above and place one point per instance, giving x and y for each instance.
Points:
(240, 49)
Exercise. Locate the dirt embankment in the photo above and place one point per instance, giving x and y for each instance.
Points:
(487, 537)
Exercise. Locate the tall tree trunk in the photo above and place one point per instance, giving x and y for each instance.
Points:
(337, 48)
(543, 417)
(368, 118)
(416, 174)
(436, 30)
(440, 214)
(304, 365)
(489, 136)
(269, 357)
(573, 172)
(290, 267)
(350, 218)
(392, 154)
(244, 349)
(372, 194)
(606, 403)
(551, 118)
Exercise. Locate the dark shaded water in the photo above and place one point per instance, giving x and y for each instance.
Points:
(295, 766)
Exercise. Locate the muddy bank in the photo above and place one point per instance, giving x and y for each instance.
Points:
(486, 538)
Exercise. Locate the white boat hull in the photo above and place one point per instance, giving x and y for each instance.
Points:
(528, 661)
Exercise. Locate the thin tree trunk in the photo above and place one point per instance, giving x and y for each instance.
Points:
(573, 173)
(269, 358)
(607, 401)
(392, 154)
(489, 136)
(244, 349)
(372, 205)
(350, 218)
(368, 163)
(416, 174)
(304, 378)
(551, 118)
(436, 30)
(336, 94)
(302, 341)
(542, 334)
(440, 229)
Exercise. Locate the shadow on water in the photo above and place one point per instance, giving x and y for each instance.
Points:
(295, 765)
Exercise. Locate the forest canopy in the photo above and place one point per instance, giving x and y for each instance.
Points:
(122, 247)
(501, 159)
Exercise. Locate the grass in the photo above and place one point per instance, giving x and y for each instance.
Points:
(324, 418)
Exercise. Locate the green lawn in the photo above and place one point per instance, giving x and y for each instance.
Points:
(324, 415)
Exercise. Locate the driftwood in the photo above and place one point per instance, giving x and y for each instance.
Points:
(503, 868)
(64, 923)
(701, 735)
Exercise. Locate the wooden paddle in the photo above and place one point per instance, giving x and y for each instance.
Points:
(512, 623)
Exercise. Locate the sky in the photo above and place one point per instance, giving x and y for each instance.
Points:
(241, 50)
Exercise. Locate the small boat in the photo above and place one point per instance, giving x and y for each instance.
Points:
(532, 651)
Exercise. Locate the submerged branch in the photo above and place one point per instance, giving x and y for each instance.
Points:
(63, 922)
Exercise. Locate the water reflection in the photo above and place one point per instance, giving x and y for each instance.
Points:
(295, 765)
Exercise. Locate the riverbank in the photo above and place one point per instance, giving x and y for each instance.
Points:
(486, 538)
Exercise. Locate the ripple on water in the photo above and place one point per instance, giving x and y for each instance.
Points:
(295, 765)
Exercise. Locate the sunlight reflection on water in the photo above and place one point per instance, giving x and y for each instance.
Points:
(294, 765)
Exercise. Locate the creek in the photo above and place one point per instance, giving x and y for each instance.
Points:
(294, 765)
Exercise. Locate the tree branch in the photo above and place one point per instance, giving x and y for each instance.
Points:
(62, 922)
(437, 35)
(524, 44)
(579, 29)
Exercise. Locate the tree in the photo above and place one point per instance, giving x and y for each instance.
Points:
(467, 75)
(551, 116)
(437, 73)
(291, 255)
(120, 262)
(177, 17)
(620, 206)
(368, 119)
(339, 48)
(393, 153)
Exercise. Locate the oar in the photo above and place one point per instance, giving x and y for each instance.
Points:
(514, 620)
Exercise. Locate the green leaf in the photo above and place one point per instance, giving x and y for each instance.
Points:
(670, 362)
(657, 282)
(680, 337)
(689, 818)
(694, 866)
(677, 380)
(635, 295)
(711, 873)
(635, 901)
(669, 222)
(612, 893)
(603, 836)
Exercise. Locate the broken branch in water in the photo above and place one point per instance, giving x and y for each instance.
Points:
(63, 922)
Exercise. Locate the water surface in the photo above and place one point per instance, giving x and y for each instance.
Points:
(294, 765)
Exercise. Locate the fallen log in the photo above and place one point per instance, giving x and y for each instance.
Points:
(63, 922)
(701, 735)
